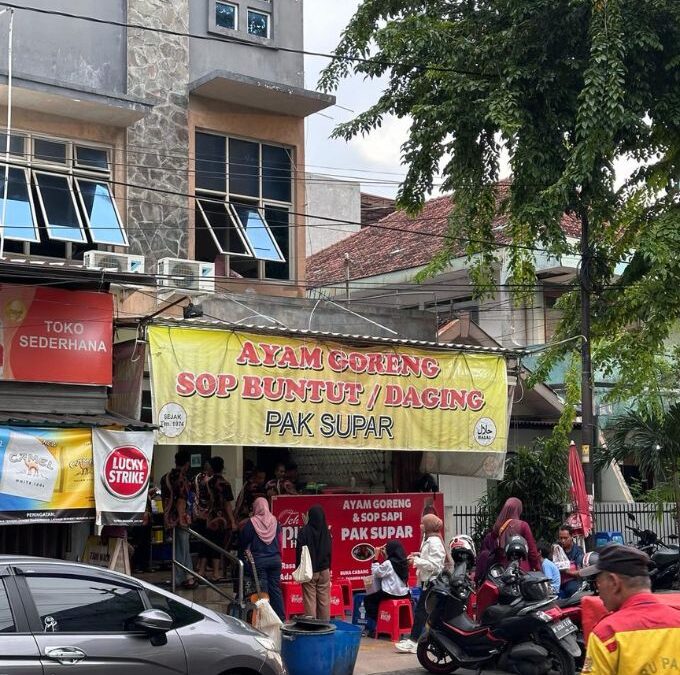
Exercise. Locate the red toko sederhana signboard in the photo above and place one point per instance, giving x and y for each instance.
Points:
(52, 335)
(358, 524)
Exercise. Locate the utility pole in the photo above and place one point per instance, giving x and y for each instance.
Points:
(587, 425)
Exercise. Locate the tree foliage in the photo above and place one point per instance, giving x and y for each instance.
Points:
(569, 87)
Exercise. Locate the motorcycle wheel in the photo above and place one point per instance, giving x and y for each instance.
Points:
(561, 662)
(435, 659)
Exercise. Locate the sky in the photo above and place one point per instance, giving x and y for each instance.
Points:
(374, 159)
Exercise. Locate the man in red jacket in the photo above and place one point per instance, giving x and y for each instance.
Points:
(641, 636)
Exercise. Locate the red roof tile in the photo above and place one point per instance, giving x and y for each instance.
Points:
(374, 208)
(397, 242)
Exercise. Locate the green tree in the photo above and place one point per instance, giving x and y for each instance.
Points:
(651, 436)
(568, 87)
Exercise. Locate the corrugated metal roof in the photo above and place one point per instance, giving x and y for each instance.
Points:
(326, 335)
(109, 419)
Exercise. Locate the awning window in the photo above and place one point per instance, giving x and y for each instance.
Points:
(225, 230)
(257, 232)
(101, 214)
(58, 206)
(20, 221)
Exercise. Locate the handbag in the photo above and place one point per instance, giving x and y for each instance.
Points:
(304, 571)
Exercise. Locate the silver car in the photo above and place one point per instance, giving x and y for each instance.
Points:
(59, 617)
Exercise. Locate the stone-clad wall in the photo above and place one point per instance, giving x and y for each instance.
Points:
(158, 146)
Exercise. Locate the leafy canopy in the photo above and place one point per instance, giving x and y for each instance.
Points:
(569, 87)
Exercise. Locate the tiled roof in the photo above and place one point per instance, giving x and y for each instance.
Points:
(374, 208)
(397, 242)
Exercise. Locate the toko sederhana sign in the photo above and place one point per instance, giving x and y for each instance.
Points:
(235, 388)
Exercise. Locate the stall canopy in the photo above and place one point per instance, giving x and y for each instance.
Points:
(214, 385)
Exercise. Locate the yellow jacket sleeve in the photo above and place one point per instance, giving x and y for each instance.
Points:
(599, 659)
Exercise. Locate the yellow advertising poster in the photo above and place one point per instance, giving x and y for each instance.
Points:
(226, 387)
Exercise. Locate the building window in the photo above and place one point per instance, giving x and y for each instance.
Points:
(226, 15)
(59, 198)
(243, 206)
(252, 19)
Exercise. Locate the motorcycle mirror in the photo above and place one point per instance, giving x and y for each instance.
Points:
(673, 536)
(630, 516)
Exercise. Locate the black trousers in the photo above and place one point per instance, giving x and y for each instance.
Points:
(419, 618)
(372, 602)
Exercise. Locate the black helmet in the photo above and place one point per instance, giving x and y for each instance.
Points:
(516, 548)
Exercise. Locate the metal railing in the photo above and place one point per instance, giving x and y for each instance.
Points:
(239, 598)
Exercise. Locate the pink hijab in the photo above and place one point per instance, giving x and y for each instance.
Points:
(263, 521)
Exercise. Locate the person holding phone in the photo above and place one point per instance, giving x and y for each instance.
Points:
(390, 577)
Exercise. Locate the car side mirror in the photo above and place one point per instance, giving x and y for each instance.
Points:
(153, 621)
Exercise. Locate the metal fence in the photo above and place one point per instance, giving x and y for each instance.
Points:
(461, 518)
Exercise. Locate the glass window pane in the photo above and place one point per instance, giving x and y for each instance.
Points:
(244, 168)
(257, 232)
(17, 144)
(227, 237)
(49, 151)
(100, 212)
(59, 207)
(276, 173)
(78, 605)
(258, 23)
(19, 215)
(6, 618)
(92, 158)
(226, 15)
(211, 162)
(278, 220)
(181, 614)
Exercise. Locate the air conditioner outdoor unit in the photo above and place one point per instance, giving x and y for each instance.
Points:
(117, 262)
(192, 275)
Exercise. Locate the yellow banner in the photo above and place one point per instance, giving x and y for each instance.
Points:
(218, 387)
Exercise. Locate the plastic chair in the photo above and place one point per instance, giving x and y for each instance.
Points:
(337, 601)
(346, 587)
(292, 598)
(395, 617)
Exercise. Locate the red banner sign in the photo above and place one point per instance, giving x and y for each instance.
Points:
(51, 335)
(358, 524)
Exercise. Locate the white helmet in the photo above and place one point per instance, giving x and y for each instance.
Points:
(462, 547)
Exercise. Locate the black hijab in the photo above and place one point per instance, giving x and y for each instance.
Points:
(396, 554)
(318, 539)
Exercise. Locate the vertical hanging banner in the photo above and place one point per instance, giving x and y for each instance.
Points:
(122, 467)
(45, 475)
(237, 388)
(128, 374)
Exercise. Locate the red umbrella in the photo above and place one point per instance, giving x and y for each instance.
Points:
(577, 491)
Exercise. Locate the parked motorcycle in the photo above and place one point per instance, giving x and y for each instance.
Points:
(524, 632)
(666, 557)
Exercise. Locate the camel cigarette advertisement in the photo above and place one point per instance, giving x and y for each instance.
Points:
(358, 524)
(235, 388)
(45, 475)
(122, 467)
(52, 335)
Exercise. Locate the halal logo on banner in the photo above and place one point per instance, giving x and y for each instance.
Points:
(126, 472)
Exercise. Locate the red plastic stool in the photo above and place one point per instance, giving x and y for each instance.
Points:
(395, 617)
(292, 598)
(337, 601)
(346, 587)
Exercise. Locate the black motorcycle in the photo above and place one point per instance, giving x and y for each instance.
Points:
(524, 633)
(666, 557)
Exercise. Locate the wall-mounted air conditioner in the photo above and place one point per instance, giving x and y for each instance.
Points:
(191, 275)
(115, 262)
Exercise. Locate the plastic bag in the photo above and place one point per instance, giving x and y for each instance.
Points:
(560, 558)
(304, 572)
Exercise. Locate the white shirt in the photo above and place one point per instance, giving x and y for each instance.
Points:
(430, 561)
(387, 579)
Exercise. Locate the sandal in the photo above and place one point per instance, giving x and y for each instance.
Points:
(190, 585)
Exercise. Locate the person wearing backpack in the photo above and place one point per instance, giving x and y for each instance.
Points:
(175, 488)
(508, 524)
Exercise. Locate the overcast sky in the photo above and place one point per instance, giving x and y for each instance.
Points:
(374, 159)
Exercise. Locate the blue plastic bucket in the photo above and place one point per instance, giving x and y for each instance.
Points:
(307, 649)
(347, 642)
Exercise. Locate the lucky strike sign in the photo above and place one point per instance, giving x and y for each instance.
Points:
(122, 465)
(358, 524)
(237, 388)
(52, 335)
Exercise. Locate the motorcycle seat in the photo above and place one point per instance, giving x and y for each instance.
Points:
(573, 600)
(663, 558)
(496, 613)
(465, 623)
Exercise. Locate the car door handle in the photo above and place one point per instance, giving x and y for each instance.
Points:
(65, 655)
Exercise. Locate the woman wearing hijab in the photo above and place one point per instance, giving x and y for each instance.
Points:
(429, 562)
(492, 551)
(261, 535)
(390, 577)
(315, 536)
